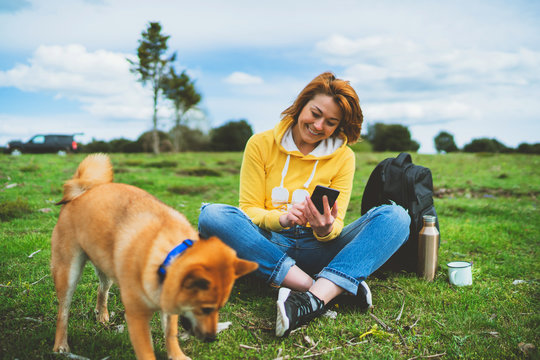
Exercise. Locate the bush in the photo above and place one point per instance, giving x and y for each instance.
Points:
(486, 145)
(145, 141)
(391, 137)
(525, 148)
(96, 146)
(191, 139)
(232, 136)
(125, 146)
(120, 145)
(132, 147)
(444, 141)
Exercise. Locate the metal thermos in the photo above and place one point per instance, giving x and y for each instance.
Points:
(428, 249)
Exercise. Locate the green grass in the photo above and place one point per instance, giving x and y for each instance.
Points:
(488, 213)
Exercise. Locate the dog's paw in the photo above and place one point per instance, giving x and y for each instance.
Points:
(102, 316)
(64, 348)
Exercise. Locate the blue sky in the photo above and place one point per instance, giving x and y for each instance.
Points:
(471, 68)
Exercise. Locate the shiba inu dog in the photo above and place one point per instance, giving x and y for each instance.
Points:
(148, 249)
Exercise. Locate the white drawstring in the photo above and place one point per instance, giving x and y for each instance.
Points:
(280, 195)
(285, 169)
(306, 185)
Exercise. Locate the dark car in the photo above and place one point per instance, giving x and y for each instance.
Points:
(45, 144)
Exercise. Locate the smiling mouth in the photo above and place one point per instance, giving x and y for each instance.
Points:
(312, 132)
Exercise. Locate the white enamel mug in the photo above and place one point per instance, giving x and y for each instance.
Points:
(460, 273)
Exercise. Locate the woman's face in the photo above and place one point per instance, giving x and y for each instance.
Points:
(318, 119)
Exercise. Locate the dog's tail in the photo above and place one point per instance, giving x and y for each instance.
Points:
(95, 169)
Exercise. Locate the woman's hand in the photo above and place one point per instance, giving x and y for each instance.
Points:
(322, 224)
(295, 216)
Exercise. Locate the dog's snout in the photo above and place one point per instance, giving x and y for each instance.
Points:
(210, 338)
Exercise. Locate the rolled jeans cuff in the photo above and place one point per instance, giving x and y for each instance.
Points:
(342, 280)
(281, 270)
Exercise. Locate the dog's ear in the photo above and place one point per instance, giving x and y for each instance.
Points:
(195, 280)
(243, 267)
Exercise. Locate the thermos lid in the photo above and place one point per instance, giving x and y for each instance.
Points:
(429, 218)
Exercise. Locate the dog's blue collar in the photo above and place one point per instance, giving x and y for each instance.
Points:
(173, 254)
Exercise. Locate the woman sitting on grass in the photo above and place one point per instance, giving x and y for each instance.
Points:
(311, 256)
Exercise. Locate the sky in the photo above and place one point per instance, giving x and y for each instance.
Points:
(471, 68)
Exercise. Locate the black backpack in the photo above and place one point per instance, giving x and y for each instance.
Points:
(408, 185)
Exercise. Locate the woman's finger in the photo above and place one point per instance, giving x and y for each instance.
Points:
(335, 210)
(326, 207)
(311, 211)
(299, 217)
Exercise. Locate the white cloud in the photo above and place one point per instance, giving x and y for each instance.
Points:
(428, 111)
(370, 46)
(99, 80)
(368, 60)
(479, 67)
(241, 78)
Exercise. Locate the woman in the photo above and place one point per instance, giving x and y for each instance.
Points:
(311, 256)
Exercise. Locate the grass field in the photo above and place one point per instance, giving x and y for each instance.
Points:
(488, 213)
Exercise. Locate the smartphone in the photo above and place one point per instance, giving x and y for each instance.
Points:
(317, 197)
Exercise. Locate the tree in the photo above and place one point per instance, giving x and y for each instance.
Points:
(391, 137)
(232, 136)
(181, 91)
(151, 68)
(444, 141)
(525, 148)
(486, 145)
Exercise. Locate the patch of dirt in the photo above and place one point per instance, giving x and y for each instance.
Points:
(481, 193)
(198, 172)
(188, 190)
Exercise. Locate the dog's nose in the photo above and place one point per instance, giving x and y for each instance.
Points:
(210, 338)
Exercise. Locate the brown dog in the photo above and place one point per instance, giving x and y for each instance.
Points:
(132, 239)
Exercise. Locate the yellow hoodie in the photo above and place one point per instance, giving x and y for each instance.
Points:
(271, 159)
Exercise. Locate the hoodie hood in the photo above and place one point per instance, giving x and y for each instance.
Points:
(326, 148)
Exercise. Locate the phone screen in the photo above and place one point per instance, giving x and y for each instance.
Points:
(319, 192)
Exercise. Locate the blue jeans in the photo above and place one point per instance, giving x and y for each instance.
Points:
(361, 248)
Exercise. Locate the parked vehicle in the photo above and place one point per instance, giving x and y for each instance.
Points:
(49, 143)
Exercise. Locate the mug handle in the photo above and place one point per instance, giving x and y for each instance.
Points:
(453, 277)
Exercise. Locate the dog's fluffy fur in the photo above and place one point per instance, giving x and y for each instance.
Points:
(127, 233)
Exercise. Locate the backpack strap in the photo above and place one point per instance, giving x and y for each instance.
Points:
(373, 189)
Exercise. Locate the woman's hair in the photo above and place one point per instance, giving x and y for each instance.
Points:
(344, 96)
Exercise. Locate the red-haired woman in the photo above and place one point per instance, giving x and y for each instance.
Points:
(313, 257)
